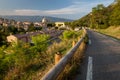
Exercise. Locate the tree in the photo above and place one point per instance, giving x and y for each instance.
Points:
(94, 9)
(70, 34)
(40, 42)
(31, 27)
(115, 15)
(98, 7)
(99, 17)
(51, 24)
(12, 29)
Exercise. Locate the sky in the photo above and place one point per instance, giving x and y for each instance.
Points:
(70, 9)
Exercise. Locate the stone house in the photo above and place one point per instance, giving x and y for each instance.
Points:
(22, 37)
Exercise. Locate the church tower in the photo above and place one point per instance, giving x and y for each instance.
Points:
(44, 23)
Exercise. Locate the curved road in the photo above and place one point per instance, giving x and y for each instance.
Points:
(105, 53)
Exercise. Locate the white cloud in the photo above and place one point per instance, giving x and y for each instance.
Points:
(45, 12)
(72, 9)
(29, 12)
(79, 8)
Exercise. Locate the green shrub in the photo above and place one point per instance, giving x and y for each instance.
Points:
(40, 42)
(19, 60)
(71, 34)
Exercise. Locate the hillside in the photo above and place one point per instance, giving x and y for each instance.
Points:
(35, 18)
(101, 17)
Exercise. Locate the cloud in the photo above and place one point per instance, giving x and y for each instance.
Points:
(44, 12)
(29, 12)
(72, 9)
(79, 8)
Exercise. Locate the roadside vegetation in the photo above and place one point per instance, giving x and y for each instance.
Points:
(20, 61)
(23, 61)
(111, 31)
(74, 63)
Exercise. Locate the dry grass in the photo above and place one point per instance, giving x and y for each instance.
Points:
(71, 68)
(61, 47)
(112, 31)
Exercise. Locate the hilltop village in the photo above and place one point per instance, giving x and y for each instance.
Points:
(12, 30)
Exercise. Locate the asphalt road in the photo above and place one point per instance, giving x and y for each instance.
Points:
(105, 52)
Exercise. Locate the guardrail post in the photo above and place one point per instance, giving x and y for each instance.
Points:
(78, 38)
(73, 43)
(58, 56)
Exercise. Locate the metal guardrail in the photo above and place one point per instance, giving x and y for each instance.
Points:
(58, 68)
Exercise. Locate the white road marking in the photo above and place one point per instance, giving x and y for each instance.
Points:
(114, 39)
(90, 42)
(89, 69)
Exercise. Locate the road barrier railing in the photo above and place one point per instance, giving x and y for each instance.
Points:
(59, 67)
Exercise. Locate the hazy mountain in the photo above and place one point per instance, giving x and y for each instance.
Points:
(35, 18)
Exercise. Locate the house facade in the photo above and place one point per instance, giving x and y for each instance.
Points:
(59, 24)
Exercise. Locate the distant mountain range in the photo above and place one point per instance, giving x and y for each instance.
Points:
(35, 18)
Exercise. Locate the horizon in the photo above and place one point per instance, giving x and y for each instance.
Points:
(10, 17)
(68, 9)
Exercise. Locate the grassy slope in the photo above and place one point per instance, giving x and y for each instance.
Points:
(112, 31)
